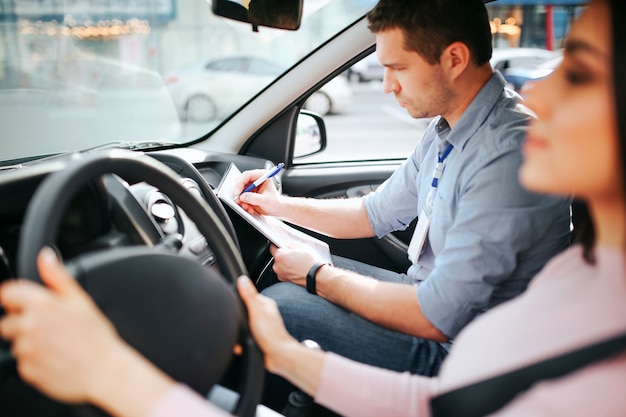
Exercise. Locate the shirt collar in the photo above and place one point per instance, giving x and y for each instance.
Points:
(476, 113)
(442, 128)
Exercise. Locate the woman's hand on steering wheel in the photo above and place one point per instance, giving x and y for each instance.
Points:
(56, 332)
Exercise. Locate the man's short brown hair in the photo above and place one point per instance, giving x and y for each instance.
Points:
(430, 26)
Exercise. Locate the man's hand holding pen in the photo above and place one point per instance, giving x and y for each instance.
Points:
(256, 194)
(259, 181)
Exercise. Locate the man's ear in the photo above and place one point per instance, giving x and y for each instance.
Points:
(455, 59)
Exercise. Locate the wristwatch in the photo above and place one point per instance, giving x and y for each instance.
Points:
(310, 276)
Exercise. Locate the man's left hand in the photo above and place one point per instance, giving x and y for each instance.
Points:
(292, 264)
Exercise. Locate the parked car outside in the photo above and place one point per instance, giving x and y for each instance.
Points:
(335, 97)
(213, 88)
(88, 90)
(504, 58)
(517, 78)
(367, 69)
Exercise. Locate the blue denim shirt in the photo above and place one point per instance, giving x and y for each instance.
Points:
(488, 236)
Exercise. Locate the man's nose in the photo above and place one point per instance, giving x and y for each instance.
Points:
(390, 84)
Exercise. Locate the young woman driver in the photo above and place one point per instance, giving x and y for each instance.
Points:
(577, 144)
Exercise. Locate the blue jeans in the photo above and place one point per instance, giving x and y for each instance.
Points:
(337, 330)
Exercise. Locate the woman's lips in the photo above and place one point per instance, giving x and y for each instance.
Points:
(534, 143)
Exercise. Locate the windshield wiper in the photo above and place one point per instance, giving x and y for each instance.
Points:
(150, 145)
(10, 167)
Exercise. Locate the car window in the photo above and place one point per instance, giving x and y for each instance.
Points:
(371, 126)
(141, 73)
(171, 72)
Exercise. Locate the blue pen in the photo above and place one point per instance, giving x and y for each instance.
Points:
(262, 178)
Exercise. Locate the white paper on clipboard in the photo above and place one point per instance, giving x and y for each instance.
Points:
(274, 229)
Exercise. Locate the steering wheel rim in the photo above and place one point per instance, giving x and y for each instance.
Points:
(53, 196)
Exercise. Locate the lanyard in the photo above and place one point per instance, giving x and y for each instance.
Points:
(441, 161)
(423, 223)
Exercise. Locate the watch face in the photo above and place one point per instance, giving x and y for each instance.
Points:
(311, 344)
(276, 178)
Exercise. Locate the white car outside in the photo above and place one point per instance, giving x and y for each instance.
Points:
(211, 89)
(367, 69)
(505, 58)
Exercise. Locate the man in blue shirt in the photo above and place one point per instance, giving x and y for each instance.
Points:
(480, 237)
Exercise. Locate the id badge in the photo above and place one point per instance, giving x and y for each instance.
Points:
(419, 236)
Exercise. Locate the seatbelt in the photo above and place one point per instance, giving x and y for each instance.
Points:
(488, 396)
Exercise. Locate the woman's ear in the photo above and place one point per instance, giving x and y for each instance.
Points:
(455, 59)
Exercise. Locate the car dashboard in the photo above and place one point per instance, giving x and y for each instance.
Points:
(110, 212)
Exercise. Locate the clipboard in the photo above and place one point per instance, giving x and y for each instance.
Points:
(275, 230)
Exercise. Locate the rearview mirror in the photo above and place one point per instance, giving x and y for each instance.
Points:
(280, 14)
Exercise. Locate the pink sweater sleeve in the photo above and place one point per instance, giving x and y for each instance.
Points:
(354, 389)
(183, 401)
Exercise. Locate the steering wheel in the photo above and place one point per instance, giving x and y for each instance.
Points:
(181, 315)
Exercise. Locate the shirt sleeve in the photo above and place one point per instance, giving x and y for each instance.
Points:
(400, 188)
(501, 235)
(183, 401)
(354, 389)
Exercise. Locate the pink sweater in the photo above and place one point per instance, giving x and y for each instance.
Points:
(568, 305)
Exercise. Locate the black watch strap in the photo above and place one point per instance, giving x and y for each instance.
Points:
(310, 277)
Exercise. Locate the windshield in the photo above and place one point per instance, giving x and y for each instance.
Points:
(79, 74)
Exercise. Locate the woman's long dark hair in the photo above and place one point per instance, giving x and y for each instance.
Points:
(583, 225)
(618, 14)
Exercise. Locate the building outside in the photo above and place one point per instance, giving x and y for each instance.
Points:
(533, 23)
